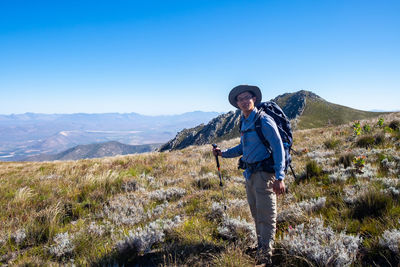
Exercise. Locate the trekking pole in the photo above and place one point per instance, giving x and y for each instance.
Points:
(220, 177)
(294, 175)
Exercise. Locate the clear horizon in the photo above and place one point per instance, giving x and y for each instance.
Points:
(163, 58)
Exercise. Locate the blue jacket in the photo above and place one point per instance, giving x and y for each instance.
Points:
(253, 150)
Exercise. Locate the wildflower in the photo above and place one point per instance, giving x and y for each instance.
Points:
(359, 162)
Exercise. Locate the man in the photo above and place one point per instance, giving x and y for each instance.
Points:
(264, 176)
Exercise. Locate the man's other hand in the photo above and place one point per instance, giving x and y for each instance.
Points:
(279, 187)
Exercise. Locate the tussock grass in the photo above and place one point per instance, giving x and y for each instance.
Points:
(332, 143)
(394, 125)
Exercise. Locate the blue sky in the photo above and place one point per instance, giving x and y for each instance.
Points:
(169, 57)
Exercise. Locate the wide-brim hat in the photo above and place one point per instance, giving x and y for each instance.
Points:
(241, 89)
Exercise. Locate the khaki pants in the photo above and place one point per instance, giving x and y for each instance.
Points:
(262, 202)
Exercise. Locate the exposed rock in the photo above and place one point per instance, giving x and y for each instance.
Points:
(221, 127)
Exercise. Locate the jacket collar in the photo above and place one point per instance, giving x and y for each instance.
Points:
(252, 115)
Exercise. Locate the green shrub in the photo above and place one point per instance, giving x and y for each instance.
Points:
(371, 204)
(394, 125)
(367, 128)
(380, 122)
(331, 143)
(313, 169)
(357, 128)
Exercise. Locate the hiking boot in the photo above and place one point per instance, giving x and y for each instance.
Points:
(263, 258)
(266, 263)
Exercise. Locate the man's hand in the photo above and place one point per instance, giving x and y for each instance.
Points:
(217, 151)
(279, 187)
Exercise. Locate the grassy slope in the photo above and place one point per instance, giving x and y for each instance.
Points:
(320, 113)
(94, 200)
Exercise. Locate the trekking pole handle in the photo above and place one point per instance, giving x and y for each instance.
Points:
(216, 157)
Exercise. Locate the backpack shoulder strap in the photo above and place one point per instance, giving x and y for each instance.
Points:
(260, 134)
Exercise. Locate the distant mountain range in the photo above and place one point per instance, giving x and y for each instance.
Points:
(98, 150)
(24, 135)
(39, 137)
(304, 108)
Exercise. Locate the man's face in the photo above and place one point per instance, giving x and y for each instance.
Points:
(246, 101)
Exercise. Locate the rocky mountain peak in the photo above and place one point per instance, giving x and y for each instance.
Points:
(304, 108)
(293, 104)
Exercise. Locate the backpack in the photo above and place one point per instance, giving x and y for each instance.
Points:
(285, 130)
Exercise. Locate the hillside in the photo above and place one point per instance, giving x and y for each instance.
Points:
(319, 113)
(166, 209)
(305, 110)
(97, 150)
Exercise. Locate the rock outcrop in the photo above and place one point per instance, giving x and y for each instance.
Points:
(220, 128)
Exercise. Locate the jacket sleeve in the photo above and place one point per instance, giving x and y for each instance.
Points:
(233, 151)
(271, 133)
